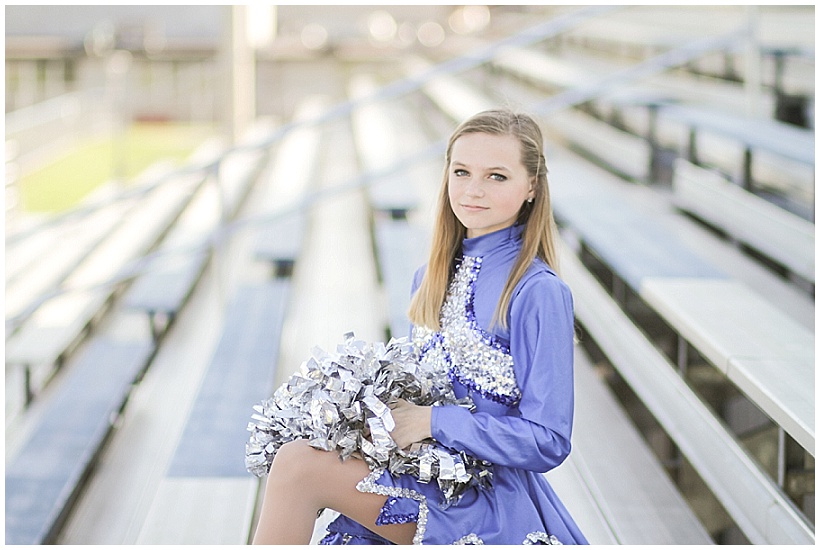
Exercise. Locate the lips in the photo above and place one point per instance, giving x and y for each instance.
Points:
(473, 208)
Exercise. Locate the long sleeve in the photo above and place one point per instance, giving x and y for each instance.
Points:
(535, 435)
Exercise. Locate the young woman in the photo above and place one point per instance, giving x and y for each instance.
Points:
(489, 309)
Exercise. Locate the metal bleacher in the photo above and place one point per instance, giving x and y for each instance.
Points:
(166, 278)
(375, 127)
(694, 295)
(48, 335)
(87, 372)
(663, 113)
(244, 360)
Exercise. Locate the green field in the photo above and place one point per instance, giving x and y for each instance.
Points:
(66, 181)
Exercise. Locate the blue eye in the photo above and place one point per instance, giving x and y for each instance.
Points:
(498, 177)
(459, 172)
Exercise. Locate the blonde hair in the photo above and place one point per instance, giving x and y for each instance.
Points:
(538, 236)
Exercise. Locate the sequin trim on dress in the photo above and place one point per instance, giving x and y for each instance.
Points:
(472, 538)
(540, 537)
(369, 485)
(536, 537)
(462, 348)
(387, 517)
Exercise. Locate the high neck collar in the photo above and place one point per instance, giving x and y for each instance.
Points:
(480, 246)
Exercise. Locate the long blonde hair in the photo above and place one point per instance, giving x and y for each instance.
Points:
(538, 235)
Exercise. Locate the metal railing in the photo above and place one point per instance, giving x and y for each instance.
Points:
(538, 33)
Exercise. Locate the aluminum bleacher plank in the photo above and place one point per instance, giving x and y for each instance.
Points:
(193, 511)
(777, 233)
(237, 173)
(400, 252)
(58, 323)
(783, 139)
(286, 181)
(45, 476)
(760, 509)
(765, 353)
(26, 252)
(782, 155)
(571, 487)
(23, 254)
(281, 240)
(378, 142)
(167, 277)
(545, 70)
(632, 241)
(209, 458)
(457, 101)
(713, 312)
(168, 283)
(625, 153)
(638, 499)
(244, 361)
(723, 254)
(134, 463)
(742, 323)
(57, 263)
(783, 388)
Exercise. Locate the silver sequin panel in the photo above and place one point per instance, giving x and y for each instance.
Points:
(369, 485)
(463, 349)
(536, 537)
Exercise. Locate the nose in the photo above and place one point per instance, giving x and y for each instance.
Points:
(474, 188)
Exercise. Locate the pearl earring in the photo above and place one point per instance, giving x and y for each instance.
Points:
(529, 200)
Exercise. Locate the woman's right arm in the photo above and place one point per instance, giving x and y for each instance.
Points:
(537, 436)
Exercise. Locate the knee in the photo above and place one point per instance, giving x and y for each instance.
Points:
(294, 462)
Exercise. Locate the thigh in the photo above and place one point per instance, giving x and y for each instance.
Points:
(337, 489)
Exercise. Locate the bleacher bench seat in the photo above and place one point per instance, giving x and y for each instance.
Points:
(208, 468)
(44, 478)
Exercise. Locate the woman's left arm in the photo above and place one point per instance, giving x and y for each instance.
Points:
(541, 343)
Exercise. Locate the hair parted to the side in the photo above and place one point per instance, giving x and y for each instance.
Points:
(448, 233)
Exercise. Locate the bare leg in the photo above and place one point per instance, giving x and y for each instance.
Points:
(302, 481)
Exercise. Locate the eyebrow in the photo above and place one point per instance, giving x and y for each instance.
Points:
(489, 169)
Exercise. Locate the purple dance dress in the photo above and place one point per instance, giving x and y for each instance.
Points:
(521, 380)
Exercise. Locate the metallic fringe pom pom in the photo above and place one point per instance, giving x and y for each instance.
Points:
(340, 402)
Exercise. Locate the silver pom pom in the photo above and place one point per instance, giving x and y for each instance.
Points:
(340, 402)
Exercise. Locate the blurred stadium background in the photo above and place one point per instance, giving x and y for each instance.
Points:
(198, 195)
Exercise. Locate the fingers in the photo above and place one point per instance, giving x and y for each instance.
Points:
(396, 403)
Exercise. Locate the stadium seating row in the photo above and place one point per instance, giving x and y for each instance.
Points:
(637, 250)
(48, 471)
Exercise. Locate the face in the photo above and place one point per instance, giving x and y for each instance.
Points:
(487, 183)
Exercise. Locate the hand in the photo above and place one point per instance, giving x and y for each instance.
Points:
(413, 423)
